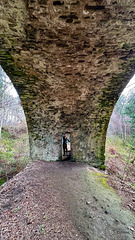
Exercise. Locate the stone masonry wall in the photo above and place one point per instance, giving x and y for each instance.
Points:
(69, 61)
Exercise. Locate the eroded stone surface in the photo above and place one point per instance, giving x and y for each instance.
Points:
(69, 61)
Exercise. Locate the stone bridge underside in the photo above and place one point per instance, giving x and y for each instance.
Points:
(69, 61)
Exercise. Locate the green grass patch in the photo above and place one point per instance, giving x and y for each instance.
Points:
(116, 147)
(102, 179)
(14, 153)
(2, 181)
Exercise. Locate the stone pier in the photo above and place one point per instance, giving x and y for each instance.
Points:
(69, 60)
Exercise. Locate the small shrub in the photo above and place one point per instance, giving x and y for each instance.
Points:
(103, 167)
(2, 181)
(9, 149)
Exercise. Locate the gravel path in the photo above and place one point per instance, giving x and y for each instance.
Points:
(62, 200)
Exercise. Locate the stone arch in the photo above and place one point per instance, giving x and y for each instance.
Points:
(118, 131)
(69, 61)
(109, 98)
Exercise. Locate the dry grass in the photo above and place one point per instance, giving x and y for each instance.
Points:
(121, 170)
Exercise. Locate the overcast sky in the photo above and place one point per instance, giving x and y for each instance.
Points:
(129, 86)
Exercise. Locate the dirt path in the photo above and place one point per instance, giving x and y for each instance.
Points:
(62, 200)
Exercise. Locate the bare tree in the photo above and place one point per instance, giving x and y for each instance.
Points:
(11, 111)
(119, 122)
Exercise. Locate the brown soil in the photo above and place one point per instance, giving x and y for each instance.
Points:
(122, 179)
(62, 200)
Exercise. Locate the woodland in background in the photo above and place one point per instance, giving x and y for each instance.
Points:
(120, 149)
(121, 128)
(14, 145)
(11, 112)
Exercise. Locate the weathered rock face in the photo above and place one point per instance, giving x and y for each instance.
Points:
(69, 61)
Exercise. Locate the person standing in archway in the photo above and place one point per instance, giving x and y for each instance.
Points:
(65, 140)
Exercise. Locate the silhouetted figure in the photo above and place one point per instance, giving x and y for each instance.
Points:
(65, 140)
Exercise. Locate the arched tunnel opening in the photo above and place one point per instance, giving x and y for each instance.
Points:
(121, 128)
(14, 140)
(120, 142)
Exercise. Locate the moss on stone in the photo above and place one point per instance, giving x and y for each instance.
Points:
(116, 84)
(102, 179)
(107, 101)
